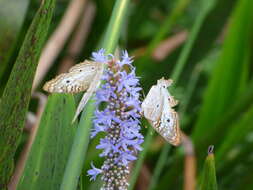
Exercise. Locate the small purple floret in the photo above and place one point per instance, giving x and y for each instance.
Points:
(100, 56)
(94, 172)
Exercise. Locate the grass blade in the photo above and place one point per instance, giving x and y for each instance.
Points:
(208, 180)
(49, 154)
(16, 96)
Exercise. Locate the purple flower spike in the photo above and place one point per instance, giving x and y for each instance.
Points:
(117, 116)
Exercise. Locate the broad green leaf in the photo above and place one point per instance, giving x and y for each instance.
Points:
(15, 100)
(208, 179)
(12, 14)
(49, 153)
(78, 151)
(228, 79)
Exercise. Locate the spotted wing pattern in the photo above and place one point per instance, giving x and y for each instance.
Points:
(76, 80)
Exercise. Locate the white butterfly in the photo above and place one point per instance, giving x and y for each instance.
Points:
(84, 76)
(157, 109)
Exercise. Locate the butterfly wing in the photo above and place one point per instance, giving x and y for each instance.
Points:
(173, 102)
(169, 122)
(92, 88)
(152, 105)
(164, 84)
(169, 127)
(76, 80)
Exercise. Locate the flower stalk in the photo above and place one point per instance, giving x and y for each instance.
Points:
(117, 116)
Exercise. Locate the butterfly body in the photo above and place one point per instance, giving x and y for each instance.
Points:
(158, 109)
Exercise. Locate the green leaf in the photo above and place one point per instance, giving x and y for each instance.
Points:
(78, 151)
(49, 154)
(16, 96)
(208, 180)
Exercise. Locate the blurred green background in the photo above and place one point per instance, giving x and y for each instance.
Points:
(205, 46)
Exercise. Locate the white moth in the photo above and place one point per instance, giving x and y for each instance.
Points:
(157, 108)
(84, 76)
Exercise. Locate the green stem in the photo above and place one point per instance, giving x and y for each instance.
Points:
(115, 25)
(78, 152)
